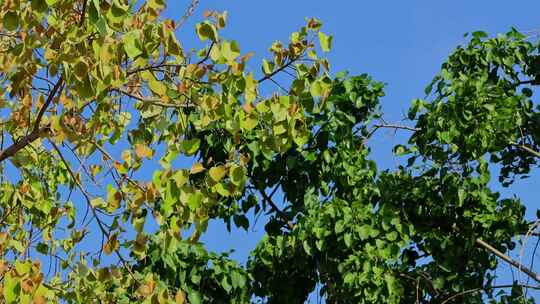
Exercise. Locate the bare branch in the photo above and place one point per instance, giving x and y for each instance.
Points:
(190, 10)
(397, 127)
(475, 290)
(280, 213)
(527, 149)
(509, 260)
(101, 225)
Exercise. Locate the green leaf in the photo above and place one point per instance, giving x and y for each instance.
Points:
(347, 238)
(237, 175)
(315, 89)
(98, 203)
(325, 42)
(191, 146)
(206, 31)
(194, 297)
(194, 200)
(10, 21)
(42, 248)
(400, 150)
(364, 232)
(392, 236)
(237, 279)
(267, 67)
(157, 87)
(132, 44)
(479, 34)
(39, 5)
(230, 50)
(11, 288)
(156, 4)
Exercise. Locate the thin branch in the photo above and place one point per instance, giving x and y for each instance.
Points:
(397, 127)
(101, 225)
(83, 13)
(155, 102)
(207, 54)
(526, 148)
(531, 81)
(509, 260)
(475, 290)
(50, 98)
(153, 67)
(281, 68)
(279, 86)
(190, 10)
(20, 144)
(280, 213)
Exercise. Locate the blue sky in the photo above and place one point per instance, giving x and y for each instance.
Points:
(401, 43)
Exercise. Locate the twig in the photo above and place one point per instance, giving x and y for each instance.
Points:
(207, 54)
(101, 226)
(153, 67)
(396, 126)
(190, 10)
(281, 68)
(20, 144)
(155, 102)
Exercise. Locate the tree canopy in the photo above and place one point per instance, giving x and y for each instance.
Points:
(113, 132)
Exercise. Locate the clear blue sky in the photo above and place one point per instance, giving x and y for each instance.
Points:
(401, 43)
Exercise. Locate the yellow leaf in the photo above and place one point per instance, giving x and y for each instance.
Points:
(180, 177)
(206, 30)
(197, 168)
(217, 173)
(142, 151)
(251, 88)
(157, 87)
(180, 297)
(111, 245)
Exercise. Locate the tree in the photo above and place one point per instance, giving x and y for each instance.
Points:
(96, 94)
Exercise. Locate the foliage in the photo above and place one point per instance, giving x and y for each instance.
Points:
(102, 108)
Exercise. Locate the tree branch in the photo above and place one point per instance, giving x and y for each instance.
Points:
(190, 10)
(37, 132)
(475, 290)
(526, 148)
(207, 54)
(155, 102)
(507, 259)
(396, 126)
(280, 213)
(281, 68)
(153, 67)
(55, 89)
(83, 13)
(101, 226)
